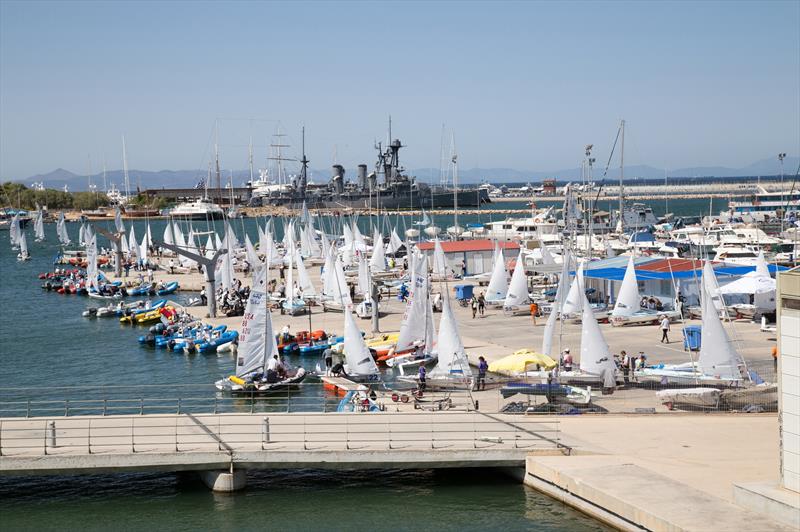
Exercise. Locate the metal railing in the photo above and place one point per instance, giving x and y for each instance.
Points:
(231, 433)
(205, 399)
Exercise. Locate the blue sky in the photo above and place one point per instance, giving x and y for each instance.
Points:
(522, 85)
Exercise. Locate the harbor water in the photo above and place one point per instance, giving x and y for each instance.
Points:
(47, 344)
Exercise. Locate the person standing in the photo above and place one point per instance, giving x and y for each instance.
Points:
(423, 380)
(625, 366)
(481, 304)
(474, 306)
(483, 367)
(534, 312)
(664, 329)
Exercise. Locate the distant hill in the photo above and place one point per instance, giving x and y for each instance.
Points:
(189, 178)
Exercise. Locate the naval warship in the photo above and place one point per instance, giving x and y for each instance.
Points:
(386, 187)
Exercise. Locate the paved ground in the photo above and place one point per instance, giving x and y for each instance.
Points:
(664, 472)
(496, 335)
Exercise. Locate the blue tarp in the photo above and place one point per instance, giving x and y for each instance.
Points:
(617, 274)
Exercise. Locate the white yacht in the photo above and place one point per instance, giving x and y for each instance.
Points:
(764, 205)
(200, 209)
(539, 227)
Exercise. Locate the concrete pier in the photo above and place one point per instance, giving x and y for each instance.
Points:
(225, 481)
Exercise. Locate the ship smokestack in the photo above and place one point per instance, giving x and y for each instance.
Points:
(362, 176)
(338, 178)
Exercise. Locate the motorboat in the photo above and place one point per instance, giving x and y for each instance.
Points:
(200, 209)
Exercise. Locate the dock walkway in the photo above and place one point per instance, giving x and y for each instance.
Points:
(180, 442)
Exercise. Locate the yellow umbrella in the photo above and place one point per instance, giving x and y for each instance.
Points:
(520, 361)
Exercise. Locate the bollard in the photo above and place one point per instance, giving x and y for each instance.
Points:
(51, 433)
(476, 405)
(265, 439)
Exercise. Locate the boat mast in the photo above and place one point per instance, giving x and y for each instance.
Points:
(216, 161)
(622, 177)
(250, 158)
(455, 184)
(125, 170)
(303, 166)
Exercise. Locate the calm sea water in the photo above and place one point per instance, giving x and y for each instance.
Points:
(46, 343)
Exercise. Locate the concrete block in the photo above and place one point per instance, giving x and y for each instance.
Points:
(791, 461)
(225, 481)
(770, 500)
(790, 364)
(790, 422)
(791, 481)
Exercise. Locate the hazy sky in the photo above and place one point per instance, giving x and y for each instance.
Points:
(523, 85)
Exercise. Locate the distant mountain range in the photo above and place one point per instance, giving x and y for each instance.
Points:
(143, 179)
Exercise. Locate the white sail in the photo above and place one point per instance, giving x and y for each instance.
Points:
(517, 293)
(439, 259)
(561, 291)
(452, 357)
(63, 236)
(595, 356)
(14, 231)
(761, 265)
(718, 357)
(118, 223)
(252, 256)
(82, 235)
(431, 346)
(38, 226)
(498, 283)
(628, 296)
(191, 247)
(290, 252)
(256, 338)
(358, 238)
(412, 327)
(91, 265)
(547, 257)
(144, 249)
(303, 279)
(363, 284)
(574, 300)
(133, 244)
(347, 233)
(326, 246)
(210, 247)
(217, 241)
(168, 234)
(711, 286)
(336, 285)
(395, 243)
(377, 262)
(558, 304)
(177, 235)
(327, 268)
(224, 269)
(123, 244)
(549, 332)
(23, 245)
(359, 359)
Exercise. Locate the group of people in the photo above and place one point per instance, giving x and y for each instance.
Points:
(232, 301)
(652, 303)
(630, 364)
(478, 304)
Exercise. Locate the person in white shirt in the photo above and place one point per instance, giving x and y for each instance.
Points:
(664, 329)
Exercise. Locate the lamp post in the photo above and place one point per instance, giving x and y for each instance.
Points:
(781, 157)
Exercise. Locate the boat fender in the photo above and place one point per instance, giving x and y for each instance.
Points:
(236, 380)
